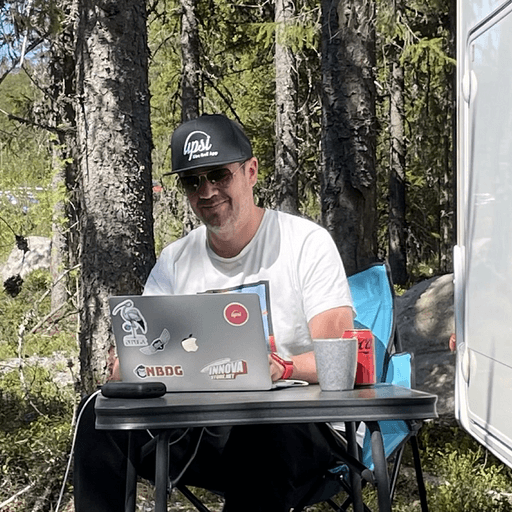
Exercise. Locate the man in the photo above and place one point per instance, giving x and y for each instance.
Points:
(257, 468)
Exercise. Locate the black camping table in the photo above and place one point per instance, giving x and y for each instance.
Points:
(290, 405)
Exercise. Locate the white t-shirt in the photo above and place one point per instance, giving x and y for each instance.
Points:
(292, 263)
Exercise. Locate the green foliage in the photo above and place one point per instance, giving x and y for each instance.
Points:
(470, 485)
(36, 406)
(422, 36)
(237, 78)
(13, 311)
(25, 170)
(299, 34)
(460, 476)
(471, 478)
(236, 59)
(35, 432)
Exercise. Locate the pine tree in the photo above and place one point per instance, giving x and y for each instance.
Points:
(348, 191)
(114, 140)
(286, 161)
(397, 256)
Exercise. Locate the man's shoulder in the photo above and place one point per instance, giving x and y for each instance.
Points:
(190, 241)
(295, 223)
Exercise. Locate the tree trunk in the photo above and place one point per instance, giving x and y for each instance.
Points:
(190, 68)
(397, 206)
(286, 172)
(59, 252)
(114, 136)
(449, 198)
(61, 71)
(348, 183)
(190, 73)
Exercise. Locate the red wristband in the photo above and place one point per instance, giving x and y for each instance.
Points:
(287, 365)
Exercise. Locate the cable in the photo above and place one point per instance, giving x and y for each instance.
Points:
(73, 448)
(213, 434)
(178, 478)
(61, 494)
(171, 442)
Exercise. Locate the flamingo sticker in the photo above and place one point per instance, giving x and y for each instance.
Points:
(134, 324)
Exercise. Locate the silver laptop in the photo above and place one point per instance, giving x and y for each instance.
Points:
(206, 342)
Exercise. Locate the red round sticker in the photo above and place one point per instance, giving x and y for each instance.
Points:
(236, 314)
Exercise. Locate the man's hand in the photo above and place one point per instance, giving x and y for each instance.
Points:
(276, 369)
(304, 368)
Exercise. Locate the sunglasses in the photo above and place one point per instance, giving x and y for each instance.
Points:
(221, 178)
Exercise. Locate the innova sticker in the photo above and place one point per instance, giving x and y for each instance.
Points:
(225, 369)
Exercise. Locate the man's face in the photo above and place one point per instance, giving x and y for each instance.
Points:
(226, 205)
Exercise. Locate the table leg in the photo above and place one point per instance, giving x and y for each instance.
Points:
(131, 477)
(381, 469)
(355, 477)
(162, 471)
(419, 474)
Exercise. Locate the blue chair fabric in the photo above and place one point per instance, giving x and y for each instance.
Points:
(374, 300)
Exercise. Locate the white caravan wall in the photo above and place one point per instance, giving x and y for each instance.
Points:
(483, 256)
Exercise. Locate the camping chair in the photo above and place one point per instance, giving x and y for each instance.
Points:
(373, 296)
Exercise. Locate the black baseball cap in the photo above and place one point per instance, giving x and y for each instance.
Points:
(208, 141)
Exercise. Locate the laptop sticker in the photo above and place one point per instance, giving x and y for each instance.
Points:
(142, 371)
(262, 289)
(236, 314)
(225, 369)
(158, 344)
(134, 324)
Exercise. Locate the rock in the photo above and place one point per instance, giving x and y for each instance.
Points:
(37, 257)
(60, 367)
(425, 319)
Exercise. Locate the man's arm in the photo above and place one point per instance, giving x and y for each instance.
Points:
(115, 373)
(329, 324)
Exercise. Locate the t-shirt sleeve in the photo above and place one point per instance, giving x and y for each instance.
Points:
(160, 280)
(322, 275)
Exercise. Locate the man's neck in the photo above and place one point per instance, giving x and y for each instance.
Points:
(230, 243)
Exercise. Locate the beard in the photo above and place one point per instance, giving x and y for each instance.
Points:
(217, 216)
